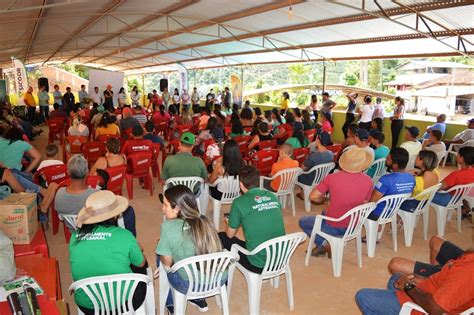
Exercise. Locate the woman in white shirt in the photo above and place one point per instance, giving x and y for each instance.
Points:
(135, 96)
(176, 100)
(78, 128)
(366, 112)
(121, 98)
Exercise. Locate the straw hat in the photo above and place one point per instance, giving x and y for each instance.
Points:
(355, 160)
(101, 206)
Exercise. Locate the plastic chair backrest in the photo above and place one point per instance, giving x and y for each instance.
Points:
(191, 182)
(184, 128)
(75, 143)
(70, 219)
(321, 171)
(310, 134)
(392, 204)
(139, 163)
(230, 187)
(109, 294)
(411, 162)
(56, 125)
(458, 193)
(205, 272)
(300, 154)
(104, 138)
(92, 181)
(263, 160)
(92, 151)
(427, 195)
(53, 173)
(161, 124)
(116, 178)
(380, 169)
(288, 179)
(243, 142)
(357, 217)
(267, 145)
(278, 253)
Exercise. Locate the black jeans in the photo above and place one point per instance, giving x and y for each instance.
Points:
(138, 296)
(31, 114)
(349, 120)
(396, 127)
(44, 112)
(244, 261)
(365, 125)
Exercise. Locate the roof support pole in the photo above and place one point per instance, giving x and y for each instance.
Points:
(324, 76)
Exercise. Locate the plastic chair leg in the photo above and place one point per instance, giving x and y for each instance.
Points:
(254, 291)
(150, 183)
(394, 233)
(441, 217)
(307, 202)
(216, 212)
(459, 217)
(289, 289)
(179, 302)
(426, 220)
(409, 220)
(337, 251)
(164, 287)
(293, 206)
(359, 249)
(55, 221)
(310, 245)
(129, 180)
(371, 236)
(224, 301)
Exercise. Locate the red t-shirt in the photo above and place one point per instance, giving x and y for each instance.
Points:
(137, 145)
(460, 177)
(157, 117)
(344, 195)
(452, 288)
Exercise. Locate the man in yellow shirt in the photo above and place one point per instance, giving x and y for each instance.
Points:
(30, 103)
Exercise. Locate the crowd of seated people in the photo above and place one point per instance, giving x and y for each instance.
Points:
(186, 233)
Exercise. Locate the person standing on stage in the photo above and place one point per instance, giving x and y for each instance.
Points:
(83, 95)
(68, 100)
(397, 120)
(350, 113)
(108, 97)
(58, 97)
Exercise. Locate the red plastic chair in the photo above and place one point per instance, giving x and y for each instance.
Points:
(184, 128)
(161, 126)
(92, 151)
(116, 178)
(336, 149)
(310, 134)
(56, 127)
(263, 161)
(300, 154)
(267, 145)
(139, 167)
(127, 134)
(248, 129)
(104, 138)
(75, 144)
(155, 169)
(243, 142)
(288, 133)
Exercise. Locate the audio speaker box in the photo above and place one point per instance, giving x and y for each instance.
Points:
(43, 82)
(163, 84)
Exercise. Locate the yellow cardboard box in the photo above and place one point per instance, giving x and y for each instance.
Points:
(18, 217)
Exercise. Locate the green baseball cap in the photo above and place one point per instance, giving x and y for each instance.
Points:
(188, 138)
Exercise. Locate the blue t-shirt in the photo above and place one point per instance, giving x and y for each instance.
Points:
(438, 126)
(393, 184)
(12, 153)
(154, 138)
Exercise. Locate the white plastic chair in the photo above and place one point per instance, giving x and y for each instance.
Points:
(388, 215)
(441, 155)
(356, 216)
(320, 171)
(409, 219)
(191, 182)
(109, 293)
(458, 193)
(407, 307)
(205, 275)
(288, 178)
(278, 254)
(454, 148)
(411, 162)
(380, 169)
(230, 188)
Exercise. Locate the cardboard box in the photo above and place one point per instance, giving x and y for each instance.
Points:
(19, 218)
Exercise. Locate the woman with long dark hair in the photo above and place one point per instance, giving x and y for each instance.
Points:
(397, 120)
(308, 123)
(277, 119)
(176, 100)
(185, 233)
(236, 129)
(212, 131)
(229, 164)
(246, 117)
(107, 126)
(298, 140)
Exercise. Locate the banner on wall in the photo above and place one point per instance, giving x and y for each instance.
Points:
(236, 88)
(21, 80)
(183, 77)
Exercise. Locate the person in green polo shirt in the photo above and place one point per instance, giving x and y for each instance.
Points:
(258, 211)
(184, 164)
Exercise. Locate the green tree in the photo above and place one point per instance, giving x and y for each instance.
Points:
(375, 74)
(350, 78)
(299, 73)
(82, 71)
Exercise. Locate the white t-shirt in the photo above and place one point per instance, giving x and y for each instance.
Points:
(366, 112)
(45, 163)
(413, 147)
(439, 149)
(465, 135)
(379, 111)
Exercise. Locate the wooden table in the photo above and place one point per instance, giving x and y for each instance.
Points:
(44, 270)
(38, 245)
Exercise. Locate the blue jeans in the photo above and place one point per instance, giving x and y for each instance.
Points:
(409, 205)
(379, 301)
(442, 198)
(129, 220)
(27, 184)
(306, 224)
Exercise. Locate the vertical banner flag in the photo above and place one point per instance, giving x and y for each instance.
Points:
(236, 87)
(183, 77)
(21, 81)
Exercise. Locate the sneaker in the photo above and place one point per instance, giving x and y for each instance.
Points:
(170, 309)
(318, 252)
(200, 304)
